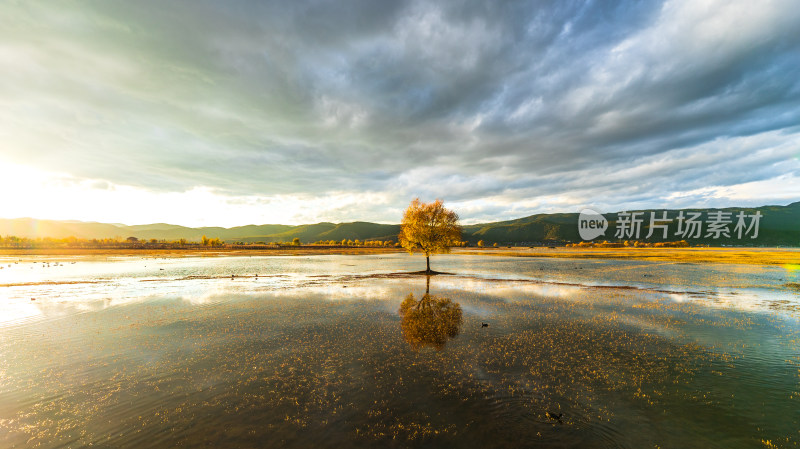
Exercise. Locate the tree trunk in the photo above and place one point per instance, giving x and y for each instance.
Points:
(428, 259)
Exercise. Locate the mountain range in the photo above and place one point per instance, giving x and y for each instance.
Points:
(778, 226)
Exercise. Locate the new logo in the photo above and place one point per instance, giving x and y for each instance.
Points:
(591, 224)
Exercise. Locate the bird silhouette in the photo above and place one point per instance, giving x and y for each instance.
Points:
(484, 324)
(553, 416)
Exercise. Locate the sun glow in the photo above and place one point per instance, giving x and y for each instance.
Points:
(30, 192)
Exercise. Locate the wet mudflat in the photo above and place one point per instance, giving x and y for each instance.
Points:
(341, 351)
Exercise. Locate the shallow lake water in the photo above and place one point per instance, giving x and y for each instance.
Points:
(348, 351)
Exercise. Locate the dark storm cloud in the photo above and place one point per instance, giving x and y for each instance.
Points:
(486, 104)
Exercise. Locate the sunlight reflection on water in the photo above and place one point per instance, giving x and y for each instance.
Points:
(321, 351)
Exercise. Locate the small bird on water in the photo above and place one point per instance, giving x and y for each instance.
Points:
(552, 415)
(484, 324)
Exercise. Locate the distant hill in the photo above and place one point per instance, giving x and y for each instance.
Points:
(779, 226)
(331, 231)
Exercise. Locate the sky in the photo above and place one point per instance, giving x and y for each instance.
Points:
(229, 113)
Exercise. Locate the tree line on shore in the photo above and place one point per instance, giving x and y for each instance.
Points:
(11, 241)
(14, 242)
(630, 244)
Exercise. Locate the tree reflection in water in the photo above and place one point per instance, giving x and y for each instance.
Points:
(431, 321)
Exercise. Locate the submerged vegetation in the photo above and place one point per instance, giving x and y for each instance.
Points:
(295, 359)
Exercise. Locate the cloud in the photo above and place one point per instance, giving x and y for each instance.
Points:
(503, 109)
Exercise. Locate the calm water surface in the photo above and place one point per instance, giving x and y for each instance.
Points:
(343, 351)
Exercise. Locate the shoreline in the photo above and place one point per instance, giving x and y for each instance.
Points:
(747, 256)
(730, 255)
(196, 252)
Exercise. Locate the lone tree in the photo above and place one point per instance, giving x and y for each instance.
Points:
(429, 228)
